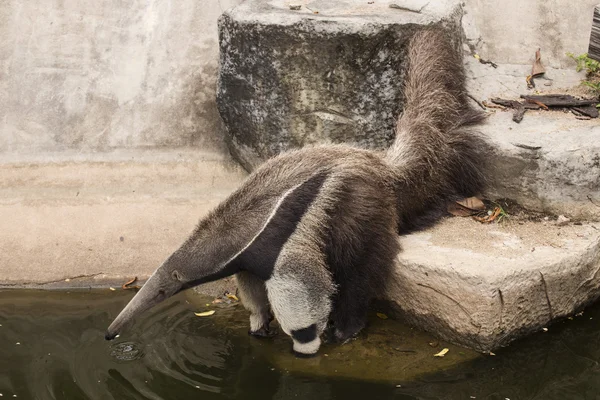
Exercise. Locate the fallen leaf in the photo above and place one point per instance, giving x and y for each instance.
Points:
(112, 288)
(232, 297)
(382, 315)
(441, 353)
(530, 83)
(489, 218)
(460, 211)
(472, 203)
(538, 68)
(204, 314)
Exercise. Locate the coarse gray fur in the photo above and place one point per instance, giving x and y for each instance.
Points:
(312, 234)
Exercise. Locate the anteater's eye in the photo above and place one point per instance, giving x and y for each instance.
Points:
(175, 274)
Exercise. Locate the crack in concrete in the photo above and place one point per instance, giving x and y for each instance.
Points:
(50, 282)
(501, 309)
(588, 280)
(455, 302)
(547, 296)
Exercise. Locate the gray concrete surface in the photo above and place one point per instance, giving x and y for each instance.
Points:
(483, 286)
(510, 31)
(327, 73)
(550, 162)
(508, 81)
(101, 221)
(99, 75)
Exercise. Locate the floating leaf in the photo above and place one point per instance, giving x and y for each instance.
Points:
(205, 314)
(382, 315)
(127, 284)
(442, 353)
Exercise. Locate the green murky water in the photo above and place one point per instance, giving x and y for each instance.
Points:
(52, 347)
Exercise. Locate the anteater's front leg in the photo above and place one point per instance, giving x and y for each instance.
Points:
(253, 295)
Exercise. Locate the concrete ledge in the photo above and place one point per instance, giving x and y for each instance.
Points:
(483, 286)
(104, 220)
(549, 162)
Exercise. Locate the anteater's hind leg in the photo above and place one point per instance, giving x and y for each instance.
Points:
(253, 295)
(361, 279)
(349, 315)
(300, 295)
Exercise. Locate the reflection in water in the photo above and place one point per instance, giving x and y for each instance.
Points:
(53, 347)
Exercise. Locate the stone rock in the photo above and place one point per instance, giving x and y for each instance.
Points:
(483, 286)
(329, 72)
(549, 162)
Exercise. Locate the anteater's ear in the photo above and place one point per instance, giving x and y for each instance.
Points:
(260, 254)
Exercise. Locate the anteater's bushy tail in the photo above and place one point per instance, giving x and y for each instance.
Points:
(437, 155)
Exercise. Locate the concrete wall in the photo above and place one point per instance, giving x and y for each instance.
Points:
(510, 31)
(104, 74)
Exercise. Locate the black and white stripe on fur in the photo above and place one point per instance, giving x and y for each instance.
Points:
(312, 234)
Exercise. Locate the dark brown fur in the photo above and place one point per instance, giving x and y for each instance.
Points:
(436, 154)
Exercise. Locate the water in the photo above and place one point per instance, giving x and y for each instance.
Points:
(52, 347)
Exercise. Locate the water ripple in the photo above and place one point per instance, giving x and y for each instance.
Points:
(126, 351)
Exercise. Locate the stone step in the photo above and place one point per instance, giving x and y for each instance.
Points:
(483, 286)
(330, 71)
(550, 162)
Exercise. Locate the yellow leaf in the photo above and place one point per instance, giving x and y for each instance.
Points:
(112, 288)
(382, 315)
(441, 353)
(205, 314)
(232, 297)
